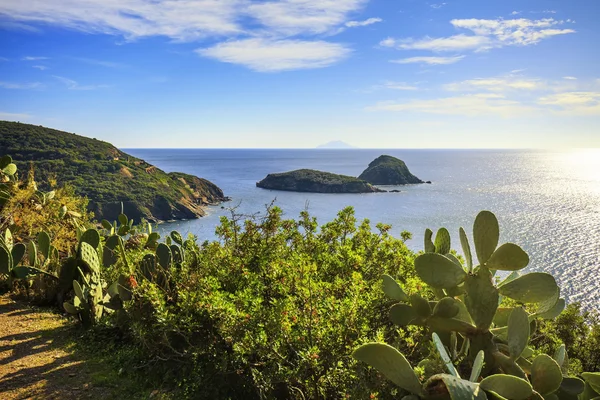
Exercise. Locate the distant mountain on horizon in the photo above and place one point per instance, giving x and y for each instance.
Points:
(336, 144)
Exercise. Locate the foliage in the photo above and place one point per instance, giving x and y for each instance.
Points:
(105, 175)
(470, 329)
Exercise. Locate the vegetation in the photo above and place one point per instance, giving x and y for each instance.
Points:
(388, 170)
(105, 175)
(275, 308)
(310, 180)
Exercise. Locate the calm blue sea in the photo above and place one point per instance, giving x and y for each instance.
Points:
(547, 202)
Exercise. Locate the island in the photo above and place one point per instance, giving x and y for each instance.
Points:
(111, 179)
(388, 170)
(310, 180)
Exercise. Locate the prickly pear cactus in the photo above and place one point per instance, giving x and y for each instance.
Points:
(469, 328)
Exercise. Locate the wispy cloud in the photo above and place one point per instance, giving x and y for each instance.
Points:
(429, 60)
(74, 85)
(437, 5)
(369, 21)
(6, 116)
(21, 86)
(574, 103)
(265, 55)
(33, 58)
(570, 78)
(485, 34)
(472, 105)
(101, 63)
(40, 67)
(399, 86)
(515, 13)
(496, 84)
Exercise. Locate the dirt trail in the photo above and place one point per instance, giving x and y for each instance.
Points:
(35, 359)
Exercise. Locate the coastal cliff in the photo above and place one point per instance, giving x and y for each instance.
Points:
(107, 176)
(309, 180)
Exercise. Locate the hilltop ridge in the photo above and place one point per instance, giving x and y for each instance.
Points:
(106, 175)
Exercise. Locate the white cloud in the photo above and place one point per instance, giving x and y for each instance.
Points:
(570, 78)
(292, 17)
(472, 105)
(31, 58)
(369, 21)
(40, 67)
(438, 5)
(73, 85)
(12, 85)
(429, 60)
(398, 86)
(515, 13)
(496, 84)
(574, 103)
(486, 34)
(267, 55)
(101, 63)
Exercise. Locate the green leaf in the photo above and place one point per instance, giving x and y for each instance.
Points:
(106, 225)
(164, 255)
(4, 161)
(32, 253)
(459, 389)
(8, 239)
(502, 315)
(6, 260)
(572, 386)
(546, 375)
(481, 298)
(438, 271)
(123, 220)
(464, 242)
(78, 290)
(17, 253)
(442, 241)
(392, 289)
(10, 169)
(486, 234)
(89, 256)
(70, 308)
(428, 244)
(534, 287)
(593, 379)
(507, 386)
(402, 314)
(91, 237)
(555, 311)
(446, 308)
(176, 236)
(420, 305)
(477, 366)
(508, 257)
(444, 355)
(391, 363)
(559, 355)
(44, 244)
(518, 332)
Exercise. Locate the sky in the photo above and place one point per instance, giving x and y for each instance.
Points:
(299, 73)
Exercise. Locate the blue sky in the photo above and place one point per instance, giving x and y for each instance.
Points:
(299, 73)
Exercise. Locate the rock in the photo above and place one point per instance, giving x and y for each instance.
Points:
(388, 170)
(394, 191)
(428, 182)
(309, 180)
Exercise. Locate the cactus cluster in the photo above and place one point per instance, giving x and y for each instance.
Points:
(469, 326)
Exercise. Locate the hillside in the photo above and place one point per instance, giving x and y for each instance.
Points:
(106, 175)
(388, 170)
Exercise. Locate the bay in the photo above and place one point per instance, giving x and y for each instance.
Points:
(547, 202)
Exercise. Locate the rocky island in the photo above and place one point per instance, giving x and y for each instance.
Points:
(107, 176)
(310, 180)
(388, 170)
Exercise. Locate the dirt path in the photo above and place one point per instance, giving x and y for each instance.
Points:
(37, 360)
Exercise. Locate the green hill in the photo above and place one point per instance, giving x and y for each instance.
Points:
(106, 175)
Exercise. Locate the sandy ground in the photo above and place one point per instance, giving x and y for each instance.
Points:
(35, 360)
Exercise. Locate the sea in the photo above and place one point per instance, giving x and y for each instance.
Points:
(548, 202)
